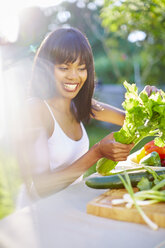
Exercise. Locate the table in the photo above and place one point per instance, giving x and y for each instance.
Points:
(61, 221)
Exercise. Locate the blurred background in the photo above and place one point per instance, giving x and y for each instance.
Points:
(127, 38)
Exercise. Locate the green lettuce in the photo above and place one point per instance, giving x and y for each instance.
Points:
(145, 116)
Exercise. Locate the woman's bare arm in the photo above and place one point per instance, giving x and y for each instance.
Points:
(36, 168)
(111, 114)
(34, 155)
(49, 182)
(107, 113)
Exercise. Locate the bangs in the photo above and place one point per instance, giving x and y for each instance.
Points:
(64, 45)
(71, 48)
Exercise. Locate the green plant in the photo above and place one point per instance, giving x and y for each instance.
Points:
(145, 116)
(9, 182)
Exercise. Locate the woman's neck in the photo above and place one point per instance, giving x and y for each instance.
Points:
(61, 105)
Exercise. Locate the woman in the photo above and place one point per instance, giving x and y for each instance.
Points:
(55, 149)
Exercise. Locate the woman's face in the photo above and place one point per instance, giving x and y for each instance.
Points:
(69, 78)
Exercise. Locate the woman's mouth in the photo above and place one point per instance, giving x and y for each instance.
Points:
(71, 87)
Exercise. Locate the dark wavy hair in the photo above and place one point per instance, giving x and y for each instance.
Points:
(64, 45)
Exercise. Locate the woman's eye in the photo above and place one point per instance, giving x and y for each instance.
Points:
(63, 68)
(82, 69)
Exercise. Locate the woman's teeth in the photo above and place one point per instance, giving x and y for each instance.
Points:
(70, 86)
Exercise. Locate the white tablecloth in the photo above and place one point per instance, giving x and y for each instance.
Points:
(61, 221)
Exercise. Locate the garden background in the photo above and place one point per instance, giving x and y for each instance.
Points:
(127, 39)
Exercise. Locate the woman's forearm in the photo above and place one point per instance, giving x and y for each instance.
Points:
(107, 113)
(51, 182)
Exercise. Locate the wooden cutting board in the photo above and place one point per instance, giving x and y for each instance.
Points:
(102, 206)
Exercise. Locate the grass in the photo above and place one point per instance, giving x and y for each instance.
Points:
(9, 182)
(96, 133)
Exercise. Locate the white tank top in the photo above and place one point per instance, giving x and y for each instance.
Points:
(63, 150)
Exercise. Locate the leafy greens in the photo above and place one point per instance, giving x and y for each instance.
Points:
(145, 116)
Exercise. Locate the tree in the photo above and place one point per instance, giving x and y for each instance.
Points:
(110, 63)
(126, 17)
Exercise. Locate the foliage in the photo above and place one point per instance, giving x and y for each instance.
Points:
(81, 17)
(123, 17)
(145, 116)
(116, 58)
(113, 64)
(105, 68)
(9, 183)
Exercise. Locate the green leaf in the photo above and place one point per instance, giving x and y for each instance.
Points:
(144, 184)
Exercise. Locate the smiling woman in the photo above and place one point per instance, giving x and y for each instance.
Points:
(54, 149)
(74, 74)
(65, 57)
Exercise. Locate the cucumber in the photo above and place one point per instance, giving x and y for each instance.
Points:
(114, 182)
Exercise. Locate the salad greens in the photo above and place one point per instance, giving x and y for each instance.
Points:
(130, 199)
(152, 159)
(150, 193)
(145, 116)
(159, 181)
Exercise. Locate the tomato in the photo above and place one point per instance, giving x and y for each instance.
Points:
(149, 144)
(163, 162)
(151, 147)
(157, 149)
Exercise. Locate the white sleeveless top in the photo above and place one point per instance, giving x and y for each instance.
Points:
(63, 150)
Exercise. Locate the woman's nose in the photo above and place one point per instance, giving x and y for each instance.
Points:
(72, 73)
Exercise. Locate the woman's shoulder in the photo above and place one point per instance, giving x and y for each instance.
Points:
(37, 112)
(35, 105)
(34, 102)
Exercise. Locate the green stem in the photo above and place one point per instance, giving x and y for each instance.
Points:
(128, 170)
(159, 185)
(128, 187)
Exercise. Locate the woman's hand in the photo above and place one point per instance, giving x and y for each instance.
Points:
(113, 150)
(149, 89)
